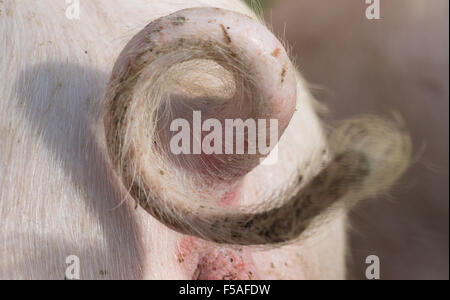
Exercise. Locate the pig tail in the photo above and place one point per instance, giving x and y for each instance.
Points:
(228, 65)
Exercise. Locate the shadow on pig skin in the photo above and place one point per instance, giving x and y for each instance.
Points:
(62, 103)
(50, 256)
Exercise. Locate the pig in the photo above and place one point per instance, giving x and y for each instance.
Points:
(88, 91)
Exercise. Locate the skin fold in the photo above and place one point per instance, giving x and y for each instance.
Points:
(65, 189)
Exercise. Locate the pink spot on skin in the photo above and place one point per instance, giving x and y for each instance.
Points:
(222, 264)
(208, 261)
(186, 245)
(188, 253)
(232, 197)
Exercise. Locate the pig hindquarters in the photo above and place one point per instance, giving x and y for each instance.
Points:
(65, 189)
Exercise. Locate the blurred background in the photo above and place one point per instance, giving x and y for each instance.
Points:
(399, 62)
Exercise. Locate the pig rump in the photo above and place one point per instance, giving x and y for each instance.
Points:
(228, 65)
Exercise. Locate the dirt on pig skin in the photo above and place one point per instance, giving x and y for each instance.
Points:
(212, 263)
